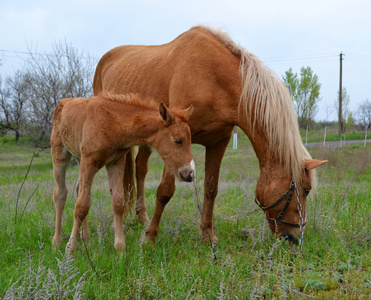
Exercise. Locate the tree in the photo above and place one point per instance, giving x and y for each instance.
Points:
(62, 73)
(3, 125)
(304, 93)
(13, 100)
(364, 114)
(345, 112)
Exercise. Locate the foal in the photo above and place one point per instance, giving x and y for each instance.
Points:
(100, 131)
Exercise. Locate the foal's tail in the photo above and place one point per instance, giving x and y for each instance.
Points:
(129, 181)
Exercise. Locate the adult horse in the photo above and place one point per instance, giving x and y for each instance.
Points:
(227, 86)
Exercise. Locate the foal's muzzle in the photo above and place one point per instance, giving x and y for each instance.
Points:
(187, 174)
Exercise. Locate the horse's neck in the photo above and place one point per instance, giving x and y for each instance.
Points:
(256, 135)
(268, 157)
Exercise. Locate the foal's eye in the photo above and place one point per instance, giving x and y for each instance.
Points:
(307, 191)
(178, 141)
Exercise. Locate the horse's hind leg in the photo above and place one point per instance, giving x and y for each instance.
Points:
(61, 158)
(87, 172)
(115, 172)
(85, 232)
(141, 163)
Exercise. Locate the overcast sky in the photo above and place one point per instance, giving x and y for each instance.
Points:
(283, 33)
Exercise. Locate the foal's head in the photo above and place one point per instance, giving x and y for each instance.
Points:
(173, 143)
(283, 200)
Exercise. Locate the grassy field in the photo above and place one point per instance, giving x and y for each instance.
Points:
(248, 263)
(313, 136)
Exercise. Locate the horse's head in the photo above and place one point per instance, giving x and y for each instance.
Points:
(173, 143)
(284, 201)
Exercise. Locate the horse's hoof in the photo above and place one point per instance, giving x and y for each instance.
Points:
(148, 241)
(85, 236)
(142, 217)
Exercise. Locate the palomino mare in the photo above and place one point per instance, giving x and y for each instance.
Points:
(227, 86)
(100, 131)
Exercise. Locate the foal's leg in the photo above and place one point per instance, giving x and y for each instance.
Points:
(61, 158)
(115, 172)
(87, 171)
(213, 159)
(85, 232)
(141, 163)
(164, 193)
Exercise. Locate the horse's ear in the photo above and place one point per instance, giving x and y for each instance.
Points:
(165, 114)
(188, 112)
(311, 164)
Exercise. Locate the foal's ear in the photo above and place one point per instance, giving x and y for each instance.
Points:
(310, 164)
(165, 114)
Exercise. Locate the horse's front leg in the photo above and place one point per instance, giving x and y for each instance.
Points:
(141, 163)
(164, 193)
(213, 159)
(115, 172)
(82, 206)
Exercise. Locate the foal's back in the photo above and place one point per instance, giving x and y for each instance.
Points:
(97, 121)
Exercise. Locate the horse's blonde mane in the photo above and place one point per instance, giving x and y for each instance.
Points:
(266, 102)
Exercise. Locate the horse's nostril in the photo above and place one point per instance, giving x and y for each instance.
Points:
(290, 237)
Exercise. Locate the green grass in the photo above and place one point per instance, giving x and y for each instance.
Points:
(248, 262)
(331, 135)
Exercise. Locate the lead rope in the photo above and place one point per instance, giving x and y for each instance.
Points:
(301, 221)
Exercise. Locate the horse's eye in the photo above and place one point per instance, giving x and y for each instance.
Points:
(178, 141)
(307, 191)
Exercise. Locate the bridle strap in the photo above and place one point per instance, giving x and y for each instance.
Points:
(278, 202)
(274, 221)
(286, 196)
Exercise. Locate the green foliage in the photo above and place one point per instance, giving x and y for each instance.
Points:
(305, 93)
(248, 263)
(347, 119)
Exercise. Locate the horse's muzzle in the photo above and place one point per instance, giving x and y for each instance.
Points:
(187, 174)
(290, 237)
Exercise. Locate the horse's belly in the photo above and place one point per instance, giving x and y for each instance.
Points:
(210, 136)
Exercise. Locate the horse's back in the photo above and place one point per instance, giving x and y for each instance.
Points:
(195, 68)
(193, 58)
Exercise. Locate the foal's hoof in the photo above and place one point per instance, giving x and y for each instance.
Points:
(56, 244)
(71, 247)
(120, 247)
(121, 254)
(213, 240)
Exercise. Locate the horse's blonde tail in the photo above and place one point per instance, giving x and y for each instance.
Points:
(129, 181)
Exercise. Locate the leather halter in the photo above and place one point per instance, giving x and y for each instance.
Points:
(286, 196)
